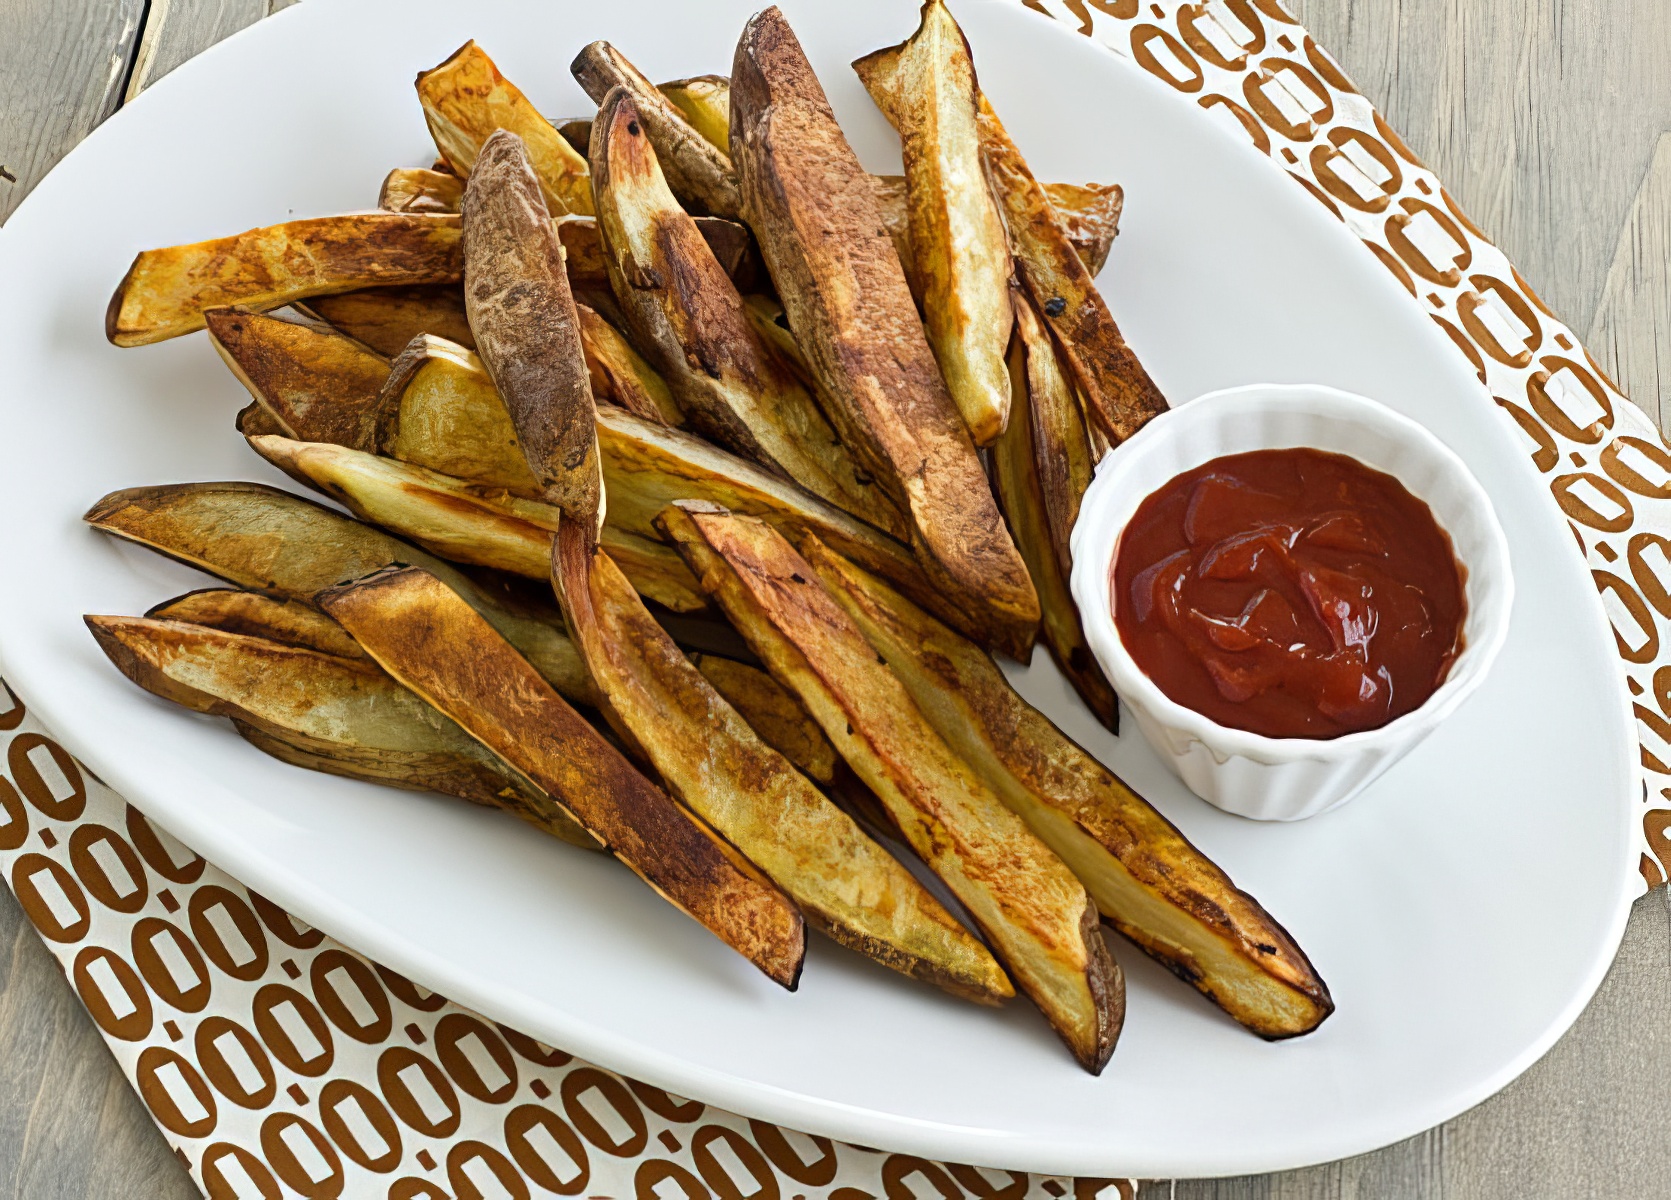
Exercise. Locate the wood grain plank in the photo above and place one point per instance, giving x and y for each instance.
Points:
(178, 30)
(62, 64)
(1630, 334)
(70, 1125)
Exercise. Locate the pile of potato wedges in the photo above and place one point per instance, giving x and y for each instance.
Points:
(686, 478)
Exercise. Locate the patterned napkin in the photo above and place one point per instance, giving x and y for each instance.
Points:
(280, 1063)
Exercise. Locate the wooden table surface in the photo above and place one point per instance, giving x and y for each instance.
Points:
(1550, 120)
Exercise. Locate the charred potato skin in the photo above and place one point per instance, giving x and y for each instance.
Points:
(527, 331)
(663, 706)
(166, 292)
(732, 385)
(288, 622)
(321, 385)
(1031, 908)
(1086, 812)
(697, 170)
(430, 640)
(814, 212)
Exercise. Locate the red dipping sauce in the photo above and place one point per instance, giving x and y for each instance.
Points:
(1290, 593)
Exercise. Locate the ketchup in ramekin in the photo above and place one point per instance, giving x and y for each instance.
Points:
(1289, 593)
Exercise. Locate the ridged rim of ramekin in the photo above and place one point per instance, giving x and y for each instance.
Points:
(1111, 500)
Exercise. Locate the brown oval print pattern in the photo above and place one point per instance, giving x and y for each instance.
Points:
(281, 1064)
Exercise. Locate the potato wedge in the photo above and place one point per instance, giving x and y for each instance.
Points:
(321, 385)
(346, 716)
(1033, 911)
(465, 523)
(288, 622)
(1118, 391)
(166, 292)
(1147, 879)
(619, 374)
(429, 639)
(1090, 213)
(698, 171)
(814, 213)
(386, 319)
(466, 99)
(772, 711)
(1041, 468)
(440, 411)
(267, 540)
(420, 190)
(716, 765)
(517, 297)
(959, 251)
(705, 101)
(682, 309)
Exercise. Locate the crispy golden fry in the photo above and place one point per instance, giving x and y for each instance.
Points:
(319, 384)
(731, 385)
(1090, 215)
(468, 523)
(705, 101)
(1147, 879)
(1041, 468)
(527, 331)
(166, 292)
(386, 319)
(267, 540)
(420, 190)
(440, 411)
(424, 635)
(1090, 212)
(619, 374)
(709, 758)
(773, 712)
(698, 171)
(813, 210)
(340, 715)
(1031, 908)
(959, 252)
(1117, 390)
(288, 622)
(466, 99)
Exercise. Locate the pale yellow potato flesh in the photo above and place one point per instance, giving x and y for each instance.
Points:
(467, 523)
(713, 761)
(166, 292)
(430, 640)
(1146, 877)
(1034, 912)
(466, 99)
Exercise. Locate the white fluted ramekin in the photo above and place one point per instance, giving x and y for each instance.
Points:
(1287, 779)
